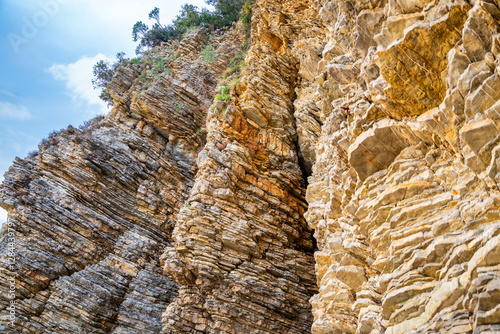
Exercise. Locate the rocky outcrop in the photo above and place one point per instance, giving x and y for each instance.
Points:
(404, 194)
(94, 209)
(372, 124)
(89, 229)
(242, 251)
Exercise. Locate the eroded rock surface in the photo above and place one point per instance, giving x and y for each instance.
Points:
(404, 192)
(372, 124)
(94, 209)
(242, 251)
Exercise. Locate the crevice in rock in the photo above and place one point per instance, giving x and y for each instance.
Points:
(306, 172)
(314, 242)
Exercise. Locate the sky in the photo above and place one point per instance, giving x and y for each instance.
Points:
(47, 51)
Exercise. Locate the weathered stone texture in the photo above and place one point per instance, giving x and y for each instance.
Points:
(94, 209)
(243, 253)
(372, 124)
(404, 192)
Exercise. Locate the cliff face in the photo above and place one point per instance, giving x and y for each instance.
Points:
(372, 124)
(404, 192)
(94, 209)
(242, 250)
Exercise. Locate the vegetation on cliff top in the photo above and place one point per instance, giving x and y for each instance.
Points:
(225, 14)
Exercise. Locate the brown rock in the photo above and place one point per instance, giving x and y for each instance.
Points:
(369, 124)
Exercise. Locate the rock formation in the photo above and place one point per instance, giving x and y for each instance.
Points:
(372, 124)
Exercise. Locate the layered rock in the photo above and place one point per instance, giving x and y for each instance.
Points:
(92, 212)
(94, 209)
(243, 253)
(373, 124)
(404, 194)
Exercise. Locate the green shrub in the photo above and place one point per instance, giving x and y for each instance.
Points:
(103, 72)
(225, 14)
(246, 16)
(223, 96)
(160, 63)
(188, 30)
(143, 77)
(208, 54)
(238, 62)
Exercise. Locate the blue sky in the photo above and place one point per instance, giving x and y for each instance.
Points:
(47, 50)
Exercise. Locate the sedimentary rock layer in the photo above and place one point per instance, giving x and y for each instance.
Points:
(94, 208)
(372, 124)
(242, 251)
(404, 192)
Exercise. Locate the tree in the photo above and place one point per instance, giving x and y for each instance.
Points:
(225, 14)
(188, 17)
(139, 31)
(228, 9)
(120, 56)
(103, 74)
(155, 14)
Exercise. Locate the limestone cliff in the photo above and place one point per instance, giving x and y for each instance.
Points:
(348, 184)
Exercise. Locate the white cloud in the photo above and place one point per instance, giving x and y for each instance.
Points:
(9, 94)
(78, 77)
(3, 216)
(13, 111)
